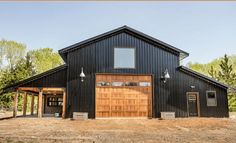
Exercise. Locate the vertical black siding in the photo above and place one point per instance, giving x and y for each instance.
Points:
(99, 58)
(55, 79)
(221, 110)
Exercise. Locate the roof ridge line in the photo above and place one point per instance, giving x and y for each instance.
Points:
(67, 49)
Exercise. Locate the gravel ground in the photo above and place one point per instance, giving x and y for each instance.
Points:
(181, 130)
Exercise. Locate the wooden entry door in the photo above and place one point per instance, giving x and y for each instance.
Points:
(193, 104)
(123, 96)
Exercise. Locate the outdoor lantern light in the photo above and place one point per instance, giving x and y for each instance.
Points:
(166, 76)
(192, 86)
(82, 75)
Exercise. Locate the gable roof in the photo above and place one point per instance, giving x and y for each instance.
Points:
(63, 52)
(201, 76)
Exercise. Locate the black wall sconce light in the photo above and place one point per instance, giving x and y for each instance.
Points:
(165, 76)
(82, 75)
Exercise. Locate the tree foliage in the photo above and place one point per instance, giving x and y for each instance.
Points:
(213, 73)
(226, 74)
(44, 59)
(223, 70)
(17, 65)
(11, 52)
(20, 71)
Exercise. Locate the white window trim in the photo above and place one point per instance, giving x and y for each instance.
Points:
(124, 67)
(207, 98)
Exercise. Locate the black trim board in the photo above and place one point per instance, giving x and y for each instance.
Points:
(35, 77)
(201, 76)
(128, 30)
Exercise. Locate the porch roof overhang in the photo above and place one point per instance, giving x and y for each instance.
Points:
(20, 84)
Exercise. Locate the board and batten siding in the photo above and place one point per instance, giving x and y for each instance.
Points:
(98, 57)
(201, 86)
(55, 79)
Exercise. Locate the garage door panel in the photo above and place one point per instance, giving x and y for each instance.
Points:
(131, 108)
(116, 108)
(122, 96)
(103, 108)
(117, 114)
(118, 95)
(131, 114)
(103, 114)
(103, 101)
(131, 102)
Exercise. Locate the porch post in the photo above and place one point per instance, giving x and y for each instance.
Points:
(32, 105)
(37, 105)
(64, 105)
(24, 104)
(15, 104)
(40, 104)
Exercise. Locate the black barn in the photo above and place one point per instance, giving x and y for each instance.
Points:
(127, 74)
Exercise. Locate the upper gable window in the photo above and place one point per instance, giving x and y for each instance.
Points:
(211, 98)
(124, 58)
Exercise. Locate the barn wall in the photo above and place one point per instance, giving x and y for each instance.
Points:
(98, 57)
(55, 79)
(201, 86)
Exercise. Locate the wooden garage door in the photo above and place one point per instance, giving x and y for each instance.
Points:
(123, 96)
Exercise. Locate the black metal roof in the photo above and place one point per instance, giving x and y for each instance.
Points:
(201, 76)
(35, 77)
(63, 52)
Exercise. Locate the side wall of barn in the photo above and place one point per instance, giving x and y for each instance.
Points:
(186, 81)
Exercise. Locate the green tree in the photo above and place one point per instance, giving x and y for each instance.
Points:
(44, 59)
(16, 65)
(11, 52)
(213, 73)
(205, 68)
(23, 69)
(222, 69)
(226, 74)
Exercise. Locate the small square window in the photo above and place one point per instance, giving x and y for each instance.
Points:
(211, 98)
(124, 58)
(55, 101)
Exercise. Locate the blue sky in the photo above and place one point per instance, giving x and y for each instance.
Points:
(206, 30)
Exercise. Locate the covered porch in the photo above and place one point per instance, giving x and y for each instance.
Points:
(45, 93)
(50, 100)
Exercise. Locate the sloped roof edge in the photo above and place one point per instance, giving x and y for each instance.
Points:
(35, 77)
(203, 77)
(63, 51)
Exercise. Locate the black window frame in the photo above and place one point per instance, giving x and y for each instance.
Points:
(56, 101)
